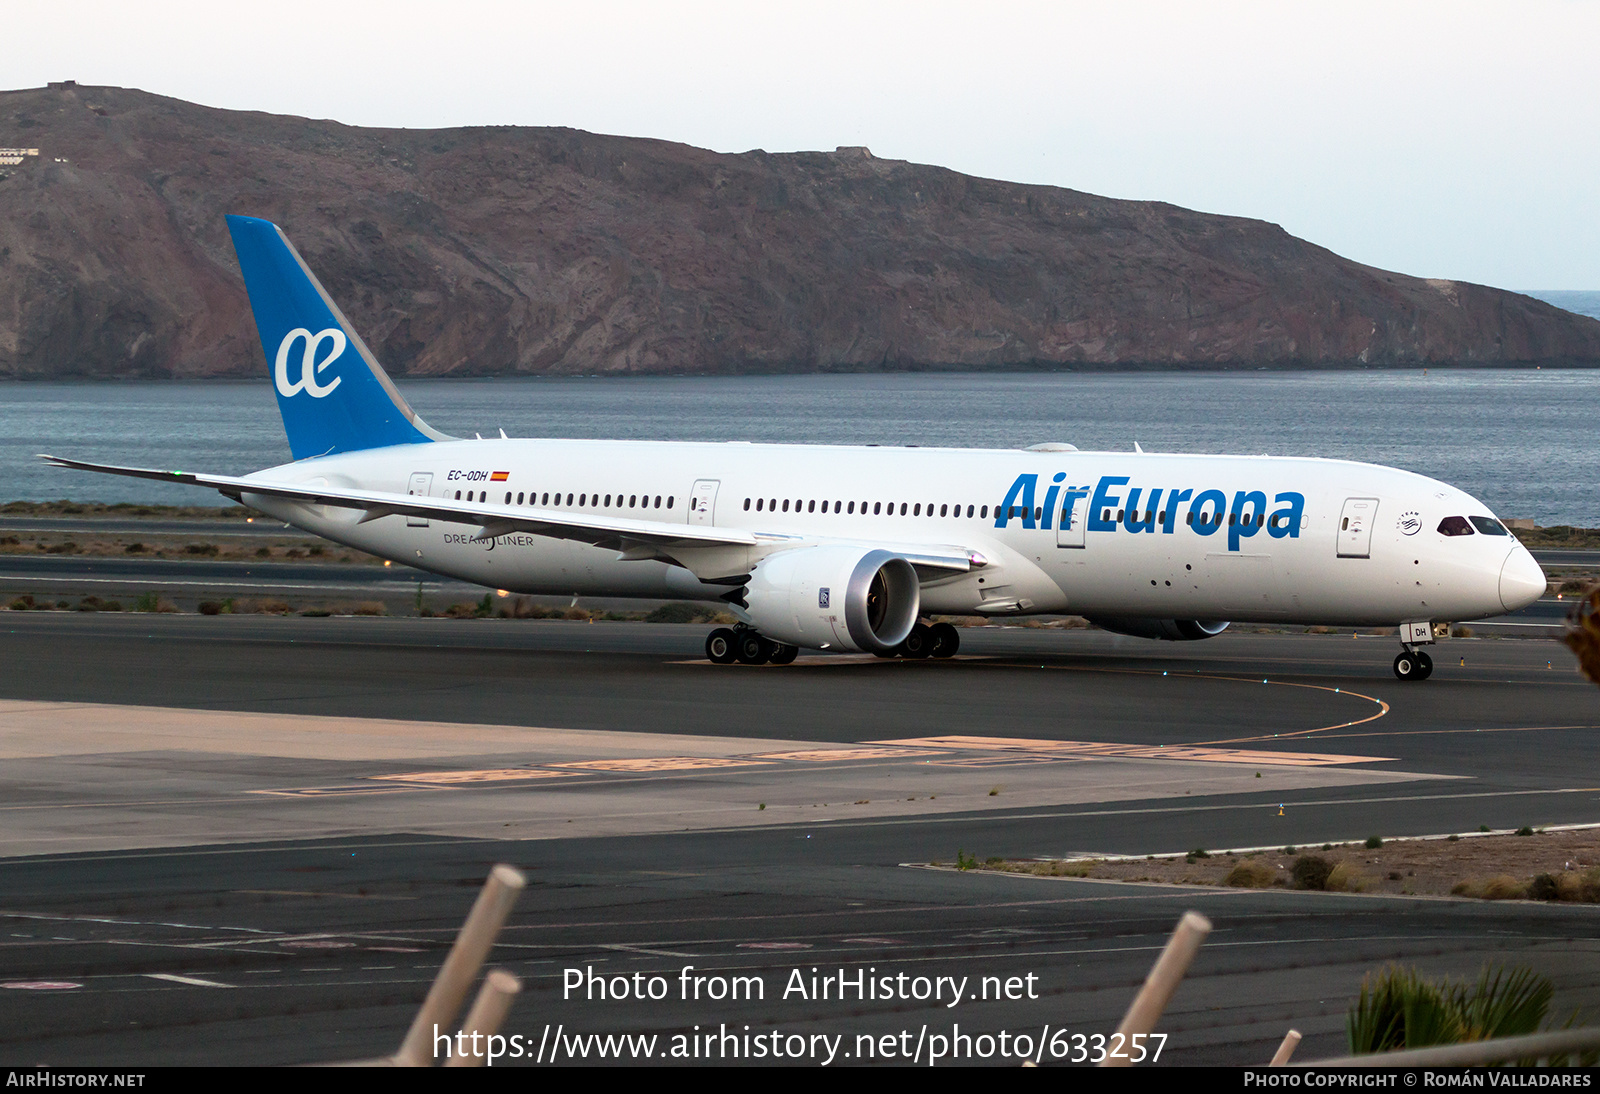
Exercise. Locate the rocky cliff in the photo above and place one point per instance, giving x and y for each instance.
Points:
(503, 251)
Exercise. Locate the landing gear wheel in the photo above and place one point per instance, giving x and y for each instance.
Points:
(719, 646)
(783, 654)
(945, 640)
(895, 652)
(1424, 666)
(751, 649)
(918, 644)
(1407, 667)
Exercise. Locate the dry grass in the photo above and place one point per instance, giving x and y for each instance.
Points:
(275, 544)
(1251, 874)
(1498, 887)
(1346, 878)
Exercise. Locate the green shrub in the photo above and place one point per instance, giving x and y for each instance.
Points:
(1399, 1009)
(1374, 842)
(1544, 887)
(1311, 872)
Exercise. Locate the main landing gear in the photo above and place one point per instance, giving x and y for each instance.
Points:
(939, 640)
(743, 644)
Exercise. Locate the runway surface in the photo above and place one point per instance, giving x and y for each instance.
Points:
(314, 841)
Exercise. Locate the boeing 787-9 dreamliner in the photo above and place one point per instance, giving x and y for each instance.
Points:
(832, 547)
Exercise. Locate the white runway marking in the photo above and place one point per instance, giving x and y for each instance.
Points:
(192, 981)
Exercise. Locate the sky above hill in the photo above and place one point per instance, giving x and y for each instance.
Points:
(1457, 140)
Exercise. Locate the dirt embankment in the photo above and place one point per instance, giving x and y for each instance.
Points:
(1529, 864)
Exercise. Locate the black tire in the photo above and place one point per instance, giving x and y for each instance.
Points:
(918, 644)
(783, 654)
(1406, 667)
(1424, 666)
(751, 649)
(719, 646)
(946, 639)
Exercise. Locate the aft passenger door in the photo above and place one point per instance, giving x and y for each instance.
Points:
(422, 486)
(703, 502)
(1069, 529)
(1355, 527)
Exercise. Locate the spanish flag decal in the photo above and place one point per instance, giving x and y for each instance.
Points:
(500, 476)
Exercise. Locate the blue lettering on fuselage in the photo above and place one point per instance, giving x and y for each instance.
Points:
(1141, 509)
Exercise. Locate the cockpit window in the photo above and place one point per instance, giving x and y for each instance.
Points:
(1455, 526)
(1489, 526)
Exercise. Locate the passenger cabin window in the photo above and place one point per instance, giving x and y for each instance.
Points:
(1489, 526)
(1452, 526)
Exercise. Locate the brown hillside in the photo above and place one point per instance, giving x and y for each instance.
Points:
(500, 251)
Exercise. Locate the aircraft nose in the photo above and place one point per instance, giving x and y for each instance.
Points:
(1521, 580)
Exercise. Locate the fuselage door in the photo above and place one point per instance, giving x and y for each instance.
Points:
(1074, 518)
(703, 502)
(422, 486)
(1355, 527)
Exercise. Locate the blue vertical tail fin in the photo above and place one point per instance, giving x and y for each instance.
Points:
(333, 394)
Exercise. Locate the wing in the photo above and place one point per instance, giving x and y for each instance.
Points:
(714, 554)
(492, 520)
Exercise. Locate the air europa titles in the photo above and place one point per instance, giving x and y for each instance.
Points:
(1112, 503)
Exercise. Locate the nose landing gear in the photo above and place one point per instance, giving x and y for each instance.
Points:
(1413, 665)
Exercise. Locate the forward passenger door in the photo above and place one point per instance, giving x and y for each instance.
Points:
(1355, 527)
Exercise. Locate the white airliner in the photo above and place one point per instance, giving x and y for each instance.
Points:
(848, 548)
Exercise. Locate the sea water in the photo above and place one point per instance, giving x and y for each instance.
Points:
(1526, 442)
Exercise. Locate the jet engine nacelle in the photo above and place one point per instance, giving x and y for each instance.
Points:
(1170, 630)
(843, 598)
